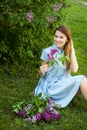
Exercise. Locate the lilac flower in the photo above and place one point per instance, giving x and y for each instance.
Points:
(51, 54)
(51, 104)
(38, 116)
(34, 119)
(49, 107)
(46, 116)
(21, 113)
(51, 18)
(53, 51)
(50, 57)
(53, 114)
(30, 16)
(28, 118)
(58, 6)
(28, 107)
(50, 100)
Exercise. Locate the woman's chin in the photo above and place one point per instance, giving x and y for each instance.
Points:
(59, 47)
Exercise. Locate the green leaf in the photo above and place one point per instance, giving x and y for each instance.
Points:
(41, 109)
(15, 110)
(39, 95)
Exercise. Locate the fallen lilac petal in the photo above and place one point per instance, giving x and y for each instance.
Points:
(30, 16)
(58, 6)
(51, 18)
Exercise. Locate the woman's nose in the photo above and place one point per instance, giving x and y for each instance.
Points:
(57, 39)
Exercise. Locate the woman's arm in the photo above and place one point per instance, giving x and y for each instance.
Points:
(74, 64)
(43, 68)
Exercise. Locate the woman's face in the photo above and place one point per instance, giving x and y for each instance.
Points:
(60, 39)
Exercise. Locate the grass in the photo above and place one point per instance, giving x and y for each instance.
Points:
(77, 20)
(84, 1)
(18, 83)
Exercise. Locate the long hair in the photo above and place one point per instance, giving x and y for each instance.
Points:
(67, 48)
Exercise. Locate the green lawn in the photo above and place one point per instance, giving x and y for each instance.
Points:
(84, 1)
(77, 21)
(18, 83)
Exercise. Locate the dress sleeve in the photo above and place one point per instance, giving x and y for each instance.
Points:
(44, 55)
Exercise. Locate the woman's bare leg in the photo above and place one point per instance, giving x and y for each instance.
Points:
(83, 88)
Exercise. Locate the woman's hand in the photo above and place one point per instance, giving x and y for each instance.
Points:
(74, 63)
(43, 69)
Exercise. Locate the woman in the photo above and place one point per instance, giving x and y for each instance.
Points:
(56, 80)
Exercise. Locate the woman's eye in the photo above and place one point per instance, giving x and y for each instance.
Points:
(61, 37)
(56, 36)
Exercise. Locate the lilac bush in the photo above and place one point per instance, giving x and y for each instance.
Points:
(25, 24)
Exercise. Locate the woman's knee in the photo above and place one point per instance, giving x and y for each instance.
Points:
(83, 88)
(84, 82)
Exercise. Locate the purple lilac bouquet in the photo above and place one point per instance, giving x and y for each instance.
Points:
(54, 58)
(37, 110)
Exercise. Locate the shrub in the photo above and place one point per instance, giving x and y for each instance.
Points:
(26, 27)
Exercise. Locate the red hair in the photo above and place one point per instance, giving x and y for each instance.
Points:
(67, 48)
